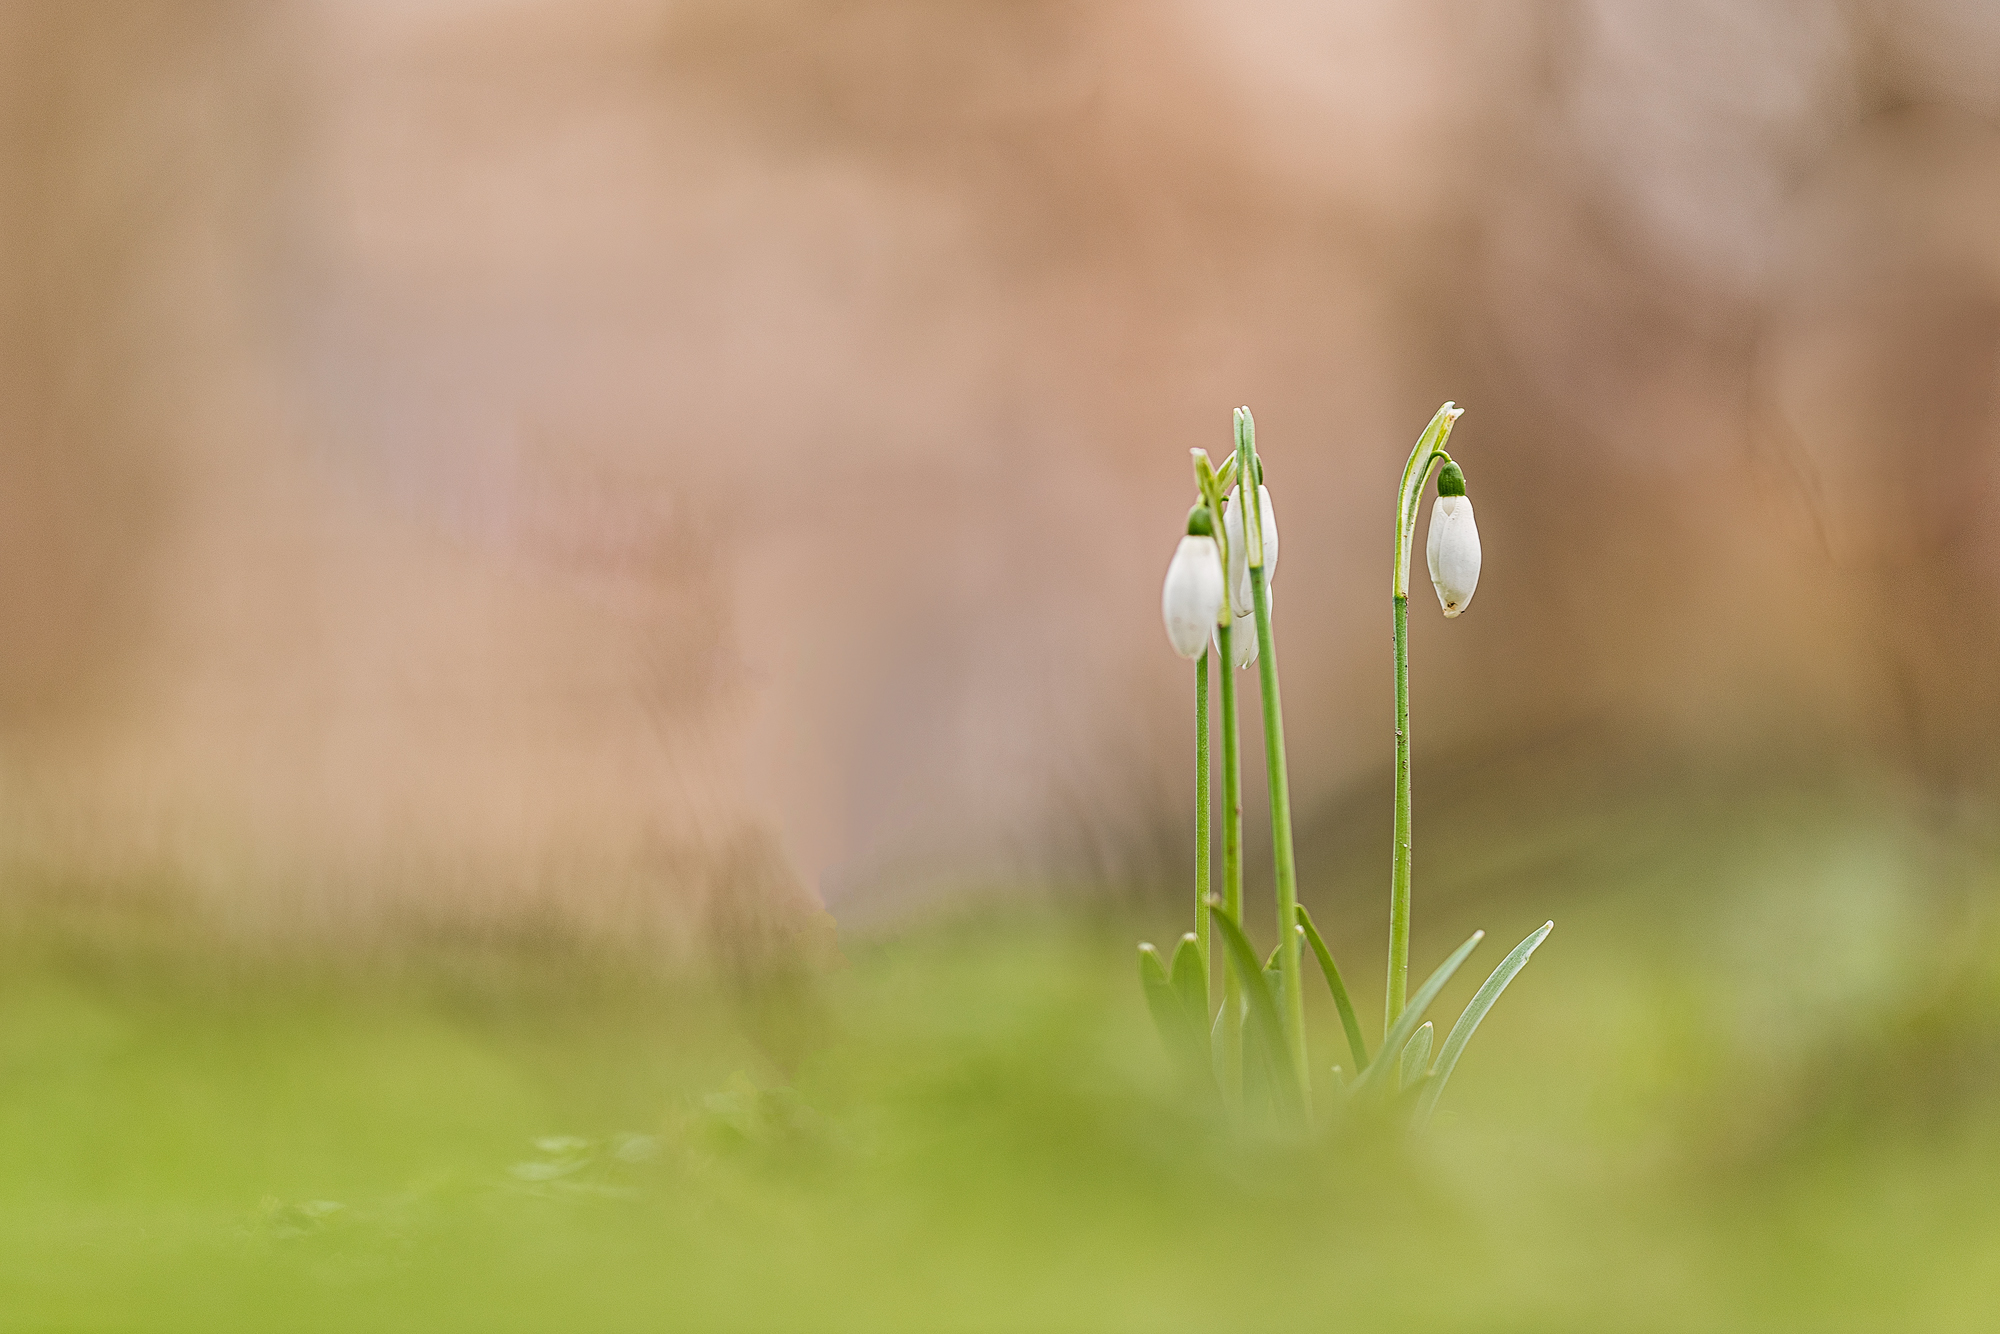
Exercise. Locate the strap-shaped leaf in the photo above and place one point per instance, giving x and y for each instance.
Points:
(1274, 976)
(1417, 1056)
(1179, 1031)
(1406, 1024)
(1263, 1089)
(1355, 1043)
(1230, 1081)
(1159, 990)
(1264, 1022)
(1274, 981)
(1190, 981)
(1475, 1010)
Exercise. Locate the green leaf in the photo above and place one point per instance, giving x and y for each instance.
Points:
(1189, 976)
(1160, 997)
(1355, 1043)
(1475, 1010)
(1417, 1056)
(1406, 1023)
(1264, 1022)
(1274, 985)
(1183, 1037)
(1263, 1089)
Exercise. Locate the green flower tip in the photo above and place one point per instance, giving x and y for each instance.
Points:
(1199, 523)
(1451, 481)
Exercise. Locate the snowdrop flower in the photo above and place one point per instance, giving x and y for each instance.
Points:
(1239, 553)
(1243, 634)
(1453, 548)
(1191, 600)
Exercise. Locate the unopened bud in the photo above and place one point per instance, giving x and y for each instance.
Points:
(1453, 547)
(1239, 555)
(1191, 599)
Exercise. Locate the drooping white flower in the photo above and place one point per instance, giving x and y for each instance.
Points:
(1239, 552)
(1243, 633)
(1453, 552)
(1191, 599)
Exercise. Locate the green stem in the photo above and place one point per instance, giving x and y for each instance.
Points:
(1201, 818)
(1229, 1052)
(1399, 881)
(1290, 981)
(1424, 456)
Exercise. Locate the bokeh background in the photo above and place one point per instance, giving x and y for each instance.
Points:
(474, 455)
(698, 472)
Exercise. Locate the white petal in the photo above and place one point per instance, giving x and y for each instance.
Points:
(1452, 550)
(1242, 641)
(1243, 633)
(1191, 598)
(1239, 554)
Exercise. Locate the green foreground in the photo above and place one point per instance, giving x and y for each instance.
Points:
(1784, 1119)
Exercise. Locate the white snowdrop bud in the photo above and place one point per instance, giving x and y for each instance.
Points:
(1239, 554)
(1453, 548)
(1243, 633)
(1191, 599)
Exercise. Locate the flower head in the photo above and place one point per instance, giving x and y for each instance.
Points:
(1453, 547)
(1239, 558)
(1191, 599)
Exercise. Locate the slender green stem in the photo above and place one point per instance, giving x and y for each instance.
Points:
(1229, 1052)
(1427, 454)
(1201, 818)
(1399, 880)
(1228, 1047)
(1290, 980)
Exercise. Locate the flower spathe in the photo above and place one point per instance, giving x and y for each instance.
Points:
(1191, 599)
(1453, 553)
(1239, 557)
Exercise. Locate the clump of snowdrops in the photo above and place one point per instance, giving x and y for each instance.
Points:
(1217, 603)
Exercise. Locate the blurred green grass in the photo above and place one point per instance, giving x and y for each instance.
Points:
(1749, 1084)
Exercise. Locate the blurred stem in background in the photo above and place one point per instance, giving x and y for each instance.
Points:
(1429, 451)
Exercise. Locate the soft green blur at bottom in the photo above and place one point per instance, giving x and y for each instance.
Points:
(989, 1137)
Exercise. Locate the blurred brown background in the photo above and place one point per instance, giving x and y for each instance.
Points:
(661, 462)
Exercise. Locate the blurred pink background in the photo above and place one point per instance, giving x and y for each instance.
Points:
(676, 464)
